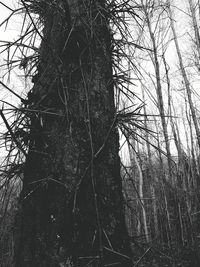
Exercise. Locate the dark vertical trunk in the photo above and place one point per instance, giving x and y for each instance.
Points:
(71, 206)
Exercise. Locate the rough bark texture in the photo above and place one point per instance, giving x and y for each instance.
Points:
(71, 206)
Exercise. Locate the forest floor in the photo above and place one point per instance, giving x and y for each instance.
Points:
(159, 256)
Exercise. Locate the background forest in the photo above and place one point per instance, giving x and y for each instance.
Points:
(156, 69)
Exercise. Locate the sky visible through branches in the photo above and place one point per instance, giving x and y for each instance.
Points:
(11, 31)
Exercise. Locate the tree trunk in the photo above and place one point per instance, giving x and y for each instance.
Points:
(152, 176)
(196, 32)
(159, 90)
(71, 205)
(141, 195)
(185, 78)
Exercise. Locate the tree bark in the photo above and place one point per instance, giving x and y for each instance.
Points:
(71, 205)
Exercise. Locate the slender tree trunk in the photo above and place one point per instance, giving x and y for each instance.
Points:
(141, 195)
(71, 206)
(180, 225)
(159, 90)
(196, 32)
(152, 178)
(185, 78)
(168, 224)
(167, 220)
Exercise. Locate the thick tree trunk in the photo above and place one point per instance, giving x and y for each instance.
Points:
(71, 206)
